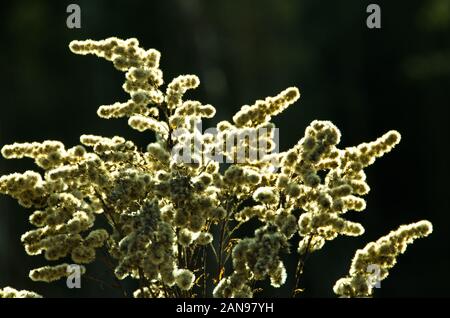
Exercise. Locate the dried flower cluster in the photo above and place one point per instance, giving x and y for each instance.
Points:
(9, 292)
(171, 205)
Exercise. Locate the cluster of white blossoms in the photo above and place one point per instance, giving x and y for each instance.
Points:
(9, 292)
(380, 255)
(171, 205)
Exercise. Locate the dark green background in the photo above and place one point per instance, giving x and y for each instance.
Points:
(365, 81)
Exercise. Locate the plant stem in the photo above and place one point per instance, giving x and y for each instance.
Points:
(300, 266)
(222, 234)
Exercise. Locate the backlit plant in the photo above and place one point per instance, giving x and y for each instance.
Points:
(172, 205)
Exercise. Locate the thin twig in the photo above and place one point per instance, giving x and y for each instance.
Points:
(214, 251)
(204, 271)
(222, 232)
(234, 230)
(102, 282)
(300, 266)
(110, 266)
